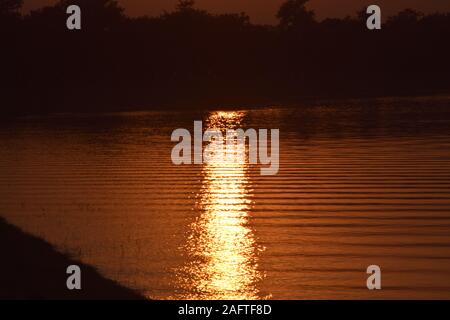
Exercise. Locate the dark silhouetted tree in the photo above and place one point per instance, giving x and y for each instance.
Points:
(407, 18)
(184, 5)
(189, 56)
(293, 14)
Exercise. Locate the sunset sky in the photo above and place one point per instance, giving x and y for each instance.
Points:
(263, 11)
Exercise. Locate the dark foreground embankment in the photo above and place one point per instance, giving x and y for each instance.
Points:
(30, 268)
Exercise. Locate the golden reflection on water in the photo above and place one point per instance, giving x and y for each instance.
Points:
(222, 248)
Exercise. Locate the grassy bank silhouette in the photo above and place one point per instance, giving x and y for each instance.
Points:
(31, 268)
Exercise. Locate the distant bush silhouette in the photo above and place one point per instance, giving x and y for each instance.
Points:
(189, 57)
(10, 7)
(294, 15)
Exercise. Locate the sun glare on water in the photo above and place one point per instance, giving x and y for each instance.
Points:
(222, 246)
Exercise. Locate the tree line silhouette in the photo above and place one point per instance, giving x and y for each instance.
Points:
(191, 58)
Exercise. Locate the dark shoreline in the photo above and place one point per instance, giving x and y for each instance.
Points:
(201, 106)
(31, 268)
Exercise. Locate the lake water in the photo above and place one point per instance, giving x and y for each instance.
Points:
(360, 183)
